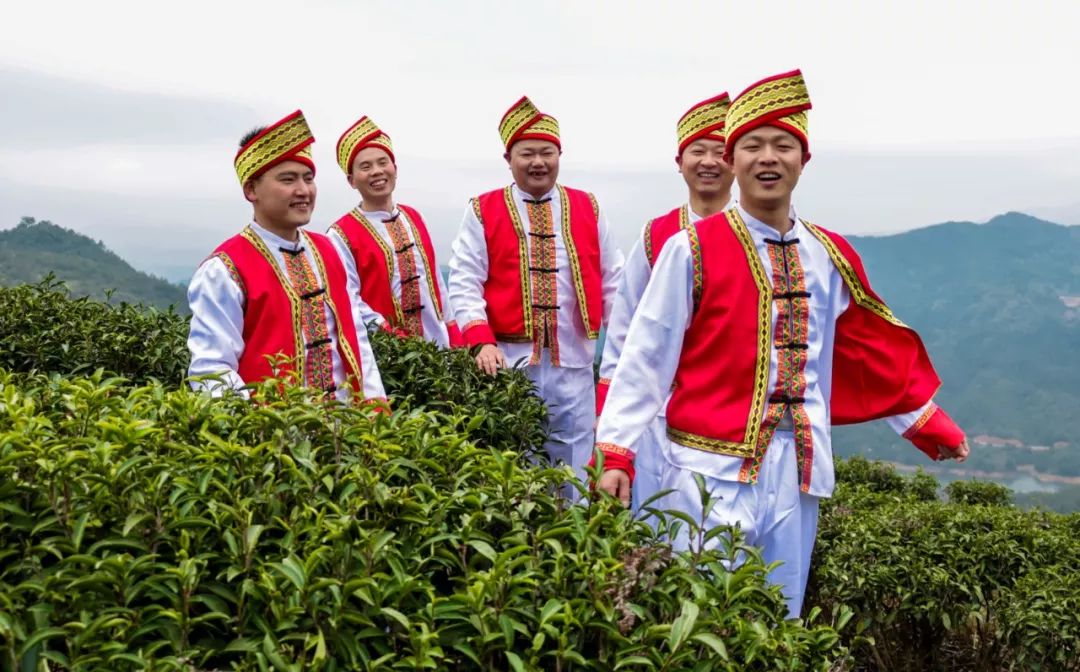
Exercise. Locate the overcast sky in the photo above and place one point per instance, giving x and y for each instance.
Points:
(120, 118)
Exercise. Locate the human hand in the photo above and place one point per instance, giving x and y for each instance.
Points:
(490, 359)
(616, 483)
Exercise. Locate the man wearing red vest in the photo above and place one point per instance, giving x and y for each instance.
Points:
(769, 331)
(700, 137)
(386, 250)
(274, 296)
(533, 275)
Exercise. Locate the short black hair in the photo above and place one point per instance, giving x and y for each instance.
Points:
(250, 135)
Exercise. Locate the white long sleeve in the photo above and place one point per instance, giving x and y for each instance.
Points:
(652, 349)
(216, 335)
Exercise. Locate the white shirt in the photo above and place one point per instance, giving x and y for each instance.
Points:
(216, 337)
(434, 328)
(469, 270)
(653, 347)
(635, 276)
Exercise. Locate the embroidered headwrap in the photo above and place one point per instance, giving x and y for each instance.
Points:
(523, 121)
(364, 133)
(780, 101)
(704, 120)
(286, 140)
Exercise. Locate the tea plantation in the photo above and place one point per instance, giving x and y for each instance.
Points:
(147, 527)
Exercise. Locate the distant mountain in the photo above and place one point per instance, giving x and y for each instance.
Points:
(998, 307)
(33, 249)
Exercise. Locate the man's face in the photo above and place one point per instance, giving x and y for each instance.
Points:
(283, 196)
(534, 165)
(702, 166)
(767, 163)
(373, 174)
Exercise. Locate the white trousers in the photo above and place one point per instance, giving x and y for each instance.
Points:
(570, 395)
(773, 514)
(648, 466)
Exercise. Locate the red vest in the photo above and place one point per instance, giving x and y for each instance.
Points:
(661, 229)
(272, 308)
(375, 262)
(880, 367)
(507, 291)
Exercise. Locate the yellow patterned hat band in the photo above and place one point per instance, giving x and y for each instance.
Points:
(523, 121)
(364, 133)
(704, 120)
(781, 101)
(286, 140)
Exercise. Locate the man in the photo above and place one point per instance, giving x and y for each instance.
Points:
(700, 154)
(533, 275)
(386, 249)
(273, 298)
(769, 330)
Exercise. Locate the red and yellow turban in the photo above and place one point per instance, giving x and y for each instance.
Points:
(780, 101)
(704, 120)
(523, 121)
(286, 140)
(364, 133)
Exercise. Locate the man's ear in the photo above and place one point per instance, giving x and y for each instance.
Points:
(506, 156)
(249, 190)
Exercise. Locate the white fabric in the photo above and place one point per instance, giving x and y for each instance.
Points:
(469, 270)
(434, 328)
(650, 356)
(773, 515)
(635, 276)
(569, 395)
(216, 336)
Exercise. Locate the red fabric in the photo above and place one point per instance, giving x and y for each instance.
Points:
(615, 460)
(714, 382)
(291, 155)
(602, 389)
(660, 230)
(268, 313)
(456, 339)
(375, 283)
(503, 289)
(429, 252)
(880, 369)
(939, 430)
(478, 333)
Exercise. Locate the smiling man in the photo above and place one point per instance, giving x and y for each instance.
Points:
(533, 277)
(273, 299)
(385, 247)
(700, 158)
(768, 329)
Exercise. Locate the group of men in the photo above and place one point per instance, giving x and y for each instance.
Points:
(736, 333)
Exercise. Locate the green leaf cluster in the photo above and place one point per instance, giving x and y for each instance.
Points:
(151, 528)
(969, 584)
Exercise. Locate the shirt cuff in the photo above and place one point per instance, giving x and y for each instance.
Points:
(602, 388)
(478, 332)
(615, 457)
(934, 428)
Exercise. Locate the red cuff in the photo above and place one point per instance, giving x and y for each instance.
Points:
(934, 428)
(601, 394)
(377, 404)
(478, 332)
(456, 339)
(615, 457)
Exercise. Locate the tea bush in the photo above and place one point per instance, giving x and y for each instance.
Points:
(946, 586)
(43, 329)
(143, 528)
